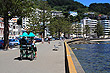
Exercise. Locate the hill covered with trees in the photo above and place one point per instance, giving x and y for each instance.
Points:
(71, 5)
(66, 5)
(103, 8)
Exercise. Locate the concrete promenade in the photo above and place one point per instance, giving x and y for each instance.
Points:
(47, 61)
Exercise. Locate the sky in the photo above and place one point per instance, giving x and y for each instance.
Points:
(88, 2)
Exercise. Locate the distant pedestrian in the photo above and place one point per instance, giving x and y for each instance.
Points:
(42, 40)
(49, 40)
(71, 38)
(64, 39)
(60, 39)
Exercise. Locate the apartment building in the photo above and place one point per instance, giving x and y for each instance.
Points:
(56, 13)
(106, 26)
(1, 28)
(77, 28)
(92, 24)
(25, 21)
(14, 29)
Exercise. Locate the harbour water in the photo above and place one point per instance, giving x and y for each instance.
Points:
(94, 58)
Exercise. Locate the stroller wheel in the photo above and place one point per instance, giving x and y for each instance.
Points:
(32, 57)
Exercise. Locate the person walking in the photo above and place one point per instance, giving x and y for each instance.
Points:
(42, 40)
(49, 40)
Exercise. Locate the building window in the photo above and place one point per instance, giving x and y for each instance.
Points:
(16, 26)
(14, 32)
(13, 27)
(1, 32)
(19, 33)
(23, 26)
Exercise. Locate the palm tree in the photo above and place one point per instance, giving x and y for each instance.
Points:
(99, 30)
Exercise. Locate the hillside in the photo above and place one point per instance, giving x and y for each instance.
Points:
(70, 5)
(102, 8)
(66, 5)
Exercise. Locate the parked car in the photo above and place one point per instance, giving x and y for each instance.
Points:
(52, 39)
(1, 43)
(56, 38)
(13, 42)
(46, 39)
(38, 39)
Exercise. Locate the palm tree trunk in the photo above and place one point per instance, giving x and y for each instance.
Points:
(43, 23)
(6, 31)
(59, 34)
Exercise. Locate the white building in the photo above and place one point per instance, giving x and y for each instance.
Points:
(25, 21)
(1, 28)
(14, 29)
(72, 13)
(77, 28)
(106, 25)
(92, 24)
(56, 13)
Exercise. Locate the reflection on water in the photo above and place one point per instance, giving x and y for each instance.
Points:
(95, 58)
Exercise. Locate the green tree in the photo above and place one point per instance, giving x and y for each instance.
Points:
(11, 8)
(45, 14)
(59, 2)
(99, 30)
(53, 27)
(34, 24)
(66, 5)
(35, 20)
(67, 27)
(102, 8)
(59, 25)
(87, 30)
(109, 34)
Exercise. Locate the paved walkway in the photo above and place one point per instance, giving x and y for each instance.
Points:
(48, 61)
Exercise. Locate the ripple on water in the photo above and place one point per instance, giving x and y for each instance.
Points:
(95, 58)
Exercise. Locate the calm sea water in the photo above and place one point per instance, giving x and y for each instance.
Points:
(94, 58)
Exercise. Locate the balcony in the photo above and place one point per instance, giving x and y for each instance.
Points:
(10, 28)
(1, 26)
(106, 22)
(15, 29)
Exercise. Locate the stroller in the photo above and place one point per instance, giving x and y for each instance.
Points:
(27, 49)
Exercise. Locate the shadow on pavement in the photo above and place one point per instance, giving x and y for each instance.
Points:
(18, 58)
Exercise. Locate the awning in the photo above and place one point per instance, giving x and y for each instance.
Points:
(31, 34)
